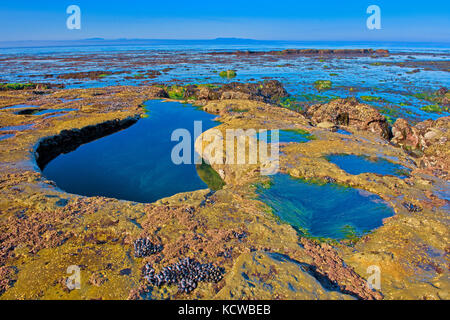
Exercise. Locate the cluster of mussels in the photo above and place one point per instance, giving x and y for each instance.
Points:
(185, 274)
(144, 247)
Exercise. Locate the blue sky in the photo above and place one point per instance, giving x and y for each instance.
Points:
(412, 20)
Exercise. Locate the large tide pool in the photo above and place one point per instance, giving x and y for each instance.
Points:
(136, 164)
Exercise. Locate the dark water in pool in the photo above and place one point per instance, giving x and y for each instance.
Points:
(329, 210)
(134, 164)
(361, 164)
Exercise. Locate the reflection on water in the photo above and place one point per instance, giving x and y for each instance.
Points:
(135, 163)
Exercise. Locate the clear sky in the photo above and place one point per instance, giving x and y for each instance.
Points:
(411, 20)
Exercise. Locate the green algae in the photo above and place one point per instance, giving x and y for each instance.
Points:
(228, 74)
(371, 98)
(17, 86)
(176, 92)
(239, 110)
(320, 210)
(210, 176)
(322, 85)
(435, 108)
(290, 103)
(304, 133)
(207, 85)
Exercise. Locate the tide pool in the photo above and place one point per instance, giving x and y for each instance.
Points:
(135, 164)
(354, 164)
(323, 210)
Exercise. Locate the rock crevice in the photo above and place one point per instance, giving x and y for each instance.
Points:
(66, 141)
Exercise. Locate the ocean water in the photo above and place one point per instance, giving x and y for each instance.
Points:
(324, 210)
(188, 62)
(135, 164)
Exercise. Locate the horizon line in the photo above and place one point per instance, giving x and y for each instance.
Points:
(222, 39)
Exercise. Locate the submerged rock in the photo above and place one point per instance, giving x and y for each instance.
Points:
(350, 112)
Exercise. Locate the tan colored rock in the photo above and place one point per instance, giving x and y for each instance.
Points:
(430, 138)
(234, 95)
(326, 125)
(350, 112)
(261, 275)
(404, 134)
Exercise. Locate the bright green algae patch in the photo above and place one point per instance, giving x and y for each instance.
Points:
(323, 210)
(228, 74)
(322, 85)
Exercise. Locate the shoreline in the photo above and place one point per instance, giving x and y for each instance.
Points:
(113, 225)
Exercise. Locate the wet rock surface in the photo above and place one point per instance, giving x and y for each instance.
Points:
(329, 264)
(267, 91)
(87, 75)
(349, 112)
(39, 238)
(308, 52)
(428, 141)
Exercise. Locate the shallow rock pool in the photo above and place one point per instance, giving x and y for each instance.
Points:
(354, 164)
(135, 164)
(325, 211)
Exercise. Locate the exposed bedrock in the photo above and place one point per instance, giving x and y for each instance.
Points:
(266, 91)
(428, 140)
(350, 112)
(68, 140)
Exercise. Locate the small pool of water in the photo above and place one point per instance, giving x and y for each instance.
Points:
(342, 131)
(135, 164)
(46, 111)
(5, 136)
(328, 210)
(17, 128)
(354, 164)
(39, 112)
(57, 115)
(19, 106)
(286, 136)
